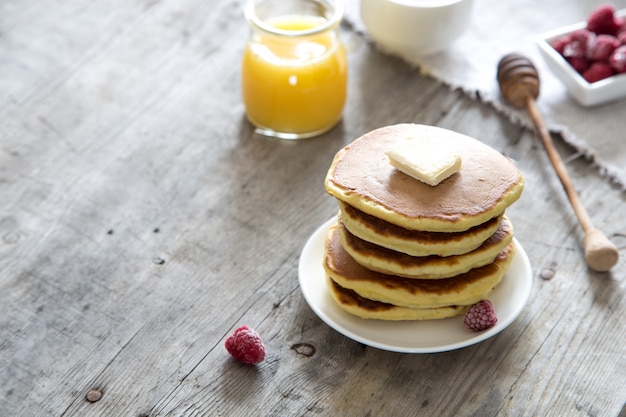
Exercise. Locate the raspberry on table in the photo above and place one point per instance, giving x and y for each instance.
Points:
(246, 346)
(480, 316)
(603, 21)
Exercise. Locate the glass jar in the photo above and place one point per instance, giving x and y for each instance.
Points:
(294, 67)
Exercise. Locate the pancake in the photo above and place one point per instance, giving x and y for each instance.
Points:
(390, 262)
(362, 176)
(464, 289)
(415, 242)
(368, 309)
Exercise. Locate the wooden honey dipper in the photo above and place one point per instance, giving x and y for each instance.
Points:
(519, 83)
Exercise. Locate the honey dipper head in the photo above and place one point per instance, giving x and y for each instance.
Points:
(518, 79)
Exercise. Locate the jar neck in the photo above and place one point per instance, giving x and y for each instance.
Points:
(261, 17)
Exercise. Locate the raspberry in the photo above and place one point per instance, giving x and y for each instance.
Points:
(480, 316)
(618, 59)
(246, 346)
(597, 71)
(602, 47)
(596, 52)
(560, 43)
(580, 64)
(603, 21)
(579, 43)
(622, 24)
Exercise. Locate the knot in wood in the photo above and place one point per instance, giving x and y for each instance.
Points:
(304, 349)
(547, 274)
(94, 395)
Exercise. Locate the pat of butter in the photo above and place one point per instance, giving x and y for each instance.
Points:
(427, 159)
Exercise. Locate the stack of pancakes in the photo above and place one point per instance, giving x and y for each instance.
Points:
(405, 250)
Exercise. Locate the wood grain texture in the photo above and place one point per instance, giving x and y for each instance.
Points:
(142, 220)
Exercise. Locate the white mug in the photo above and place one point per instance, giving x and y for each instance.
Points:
(416, 27)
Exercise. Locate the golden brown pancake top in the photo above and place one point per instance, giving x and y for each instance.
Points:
(361, 175)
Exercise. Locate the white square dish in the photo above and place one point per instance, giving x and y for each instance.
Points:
(587, 94)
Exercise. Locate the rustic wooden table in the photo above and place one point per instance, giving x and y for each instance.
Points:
(142, 220)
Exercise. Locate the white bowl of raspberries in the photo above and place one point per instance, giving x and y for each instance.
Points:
(590, 57)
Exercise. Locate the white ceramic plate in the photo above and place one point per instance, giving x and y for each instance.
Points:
(427, 336)
(603, 91)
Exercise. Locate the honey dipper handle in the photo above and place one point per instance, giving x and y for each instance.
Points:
(600, 254)
(557, 163)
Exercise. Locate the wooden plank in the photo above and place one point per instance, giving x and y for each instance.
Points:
(141, 221)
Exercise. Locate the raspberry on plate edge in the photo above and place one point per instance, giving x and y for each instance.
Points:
(480, 316)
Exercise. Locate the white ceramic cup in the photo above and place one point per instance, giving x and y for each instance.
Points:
(416, 27)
